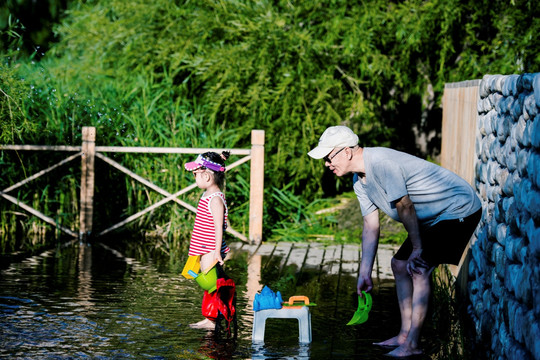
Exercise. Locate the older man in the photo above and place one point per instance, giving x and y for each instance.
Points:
(439, 210)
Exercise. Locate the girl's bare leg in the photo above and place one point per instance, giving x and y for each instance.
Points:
(206, 261)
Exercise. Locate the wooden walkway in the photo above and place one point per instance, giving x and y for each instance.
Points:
(333, 267)
(330, 260)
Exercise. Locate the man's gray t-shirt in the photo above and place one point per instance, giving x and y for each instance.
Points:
(437, 193)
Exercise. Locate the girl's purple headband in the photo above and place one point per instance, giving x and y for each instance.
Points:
(203, 162)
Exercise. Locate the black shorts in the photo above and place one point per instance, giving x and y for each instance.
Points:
(444, 242)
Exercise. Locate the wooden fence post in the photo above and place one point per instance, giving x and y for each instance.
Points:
(87, 181)
(256, 193)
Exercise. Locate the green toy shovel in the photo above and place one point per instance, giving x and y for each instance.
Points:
(364, 306)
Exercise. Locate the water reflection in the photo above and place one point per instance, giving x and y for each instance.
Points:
(83, 301)
(84, 289)
(253, 284)
(262, 351)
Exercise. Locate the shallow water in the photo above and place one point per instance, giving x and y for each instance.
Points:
(94, 302)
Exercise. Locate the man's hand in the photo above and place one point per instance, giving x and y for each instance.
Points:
(364, 284)
(416, 263)
(407, 214)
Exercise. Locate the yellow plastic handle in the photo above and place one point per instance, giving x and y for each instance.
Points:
(193, 263)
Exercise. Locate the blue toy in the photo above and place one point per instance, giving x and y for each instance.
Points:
(267, 299)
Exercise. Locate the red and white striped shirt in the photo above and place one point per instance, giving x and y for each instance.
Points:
(203, 237)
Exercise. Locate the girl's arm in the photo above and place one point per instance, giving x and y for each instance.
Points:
(218, 209)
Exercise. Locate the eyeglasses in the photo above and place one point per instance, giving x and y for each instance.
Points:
(329, 159)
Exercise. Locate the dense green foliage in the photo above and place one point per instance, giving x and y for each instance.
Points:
(205, 73)
(37, 19)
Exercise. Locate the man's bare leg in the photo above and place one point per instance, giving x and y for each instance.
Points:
(420, 300)
(404, 289)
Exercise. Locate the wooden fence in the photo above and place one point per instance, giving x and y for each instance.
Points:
(88, 151)
(460, 115)
(458, 149)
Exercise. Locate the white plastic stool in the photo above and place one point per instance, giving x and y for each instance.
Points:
(301, 313)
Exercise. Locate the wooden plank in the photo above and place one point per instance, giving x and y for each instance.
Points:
(351, 253)
(459, 131)
(332, 260)
(168, 150)
(250, 248)
(444, 131)
(297, 255)
(256, 189)
(269, 255)
(459, 128)
(238, 162)
(282, 248)
(235, 233)
(41, 147)
(236, 245)
(125, 149)
(336, 265)
(383, 261)
(282, 251)
(350, 259)
(349, 268)
(314, 257)
(266, 249)
(87, 181)
(331, 253)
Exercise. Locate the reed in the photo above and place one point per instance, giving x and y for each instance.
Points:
(448, 338)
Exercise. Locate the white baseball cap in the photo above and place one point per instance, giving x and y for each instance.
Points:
(334, 137)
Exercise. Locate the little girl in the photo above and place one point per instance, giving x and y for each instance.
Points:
(211, 219)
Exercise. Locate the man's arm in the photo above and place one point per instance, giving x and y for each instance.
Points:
(407, 214)
(370, 242)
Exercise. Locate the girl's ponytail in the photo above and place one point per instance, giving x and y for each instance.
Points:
(225, 155)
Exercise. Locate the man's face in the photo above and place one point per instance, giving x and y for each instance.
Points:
(335, 161)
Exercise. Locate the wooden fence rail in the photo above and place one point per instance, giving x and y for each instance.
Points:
(89, 151)
(458, 151)
(459, 121)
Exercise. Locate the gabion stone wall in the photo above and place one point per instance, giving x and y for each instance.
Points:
(504, 271)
